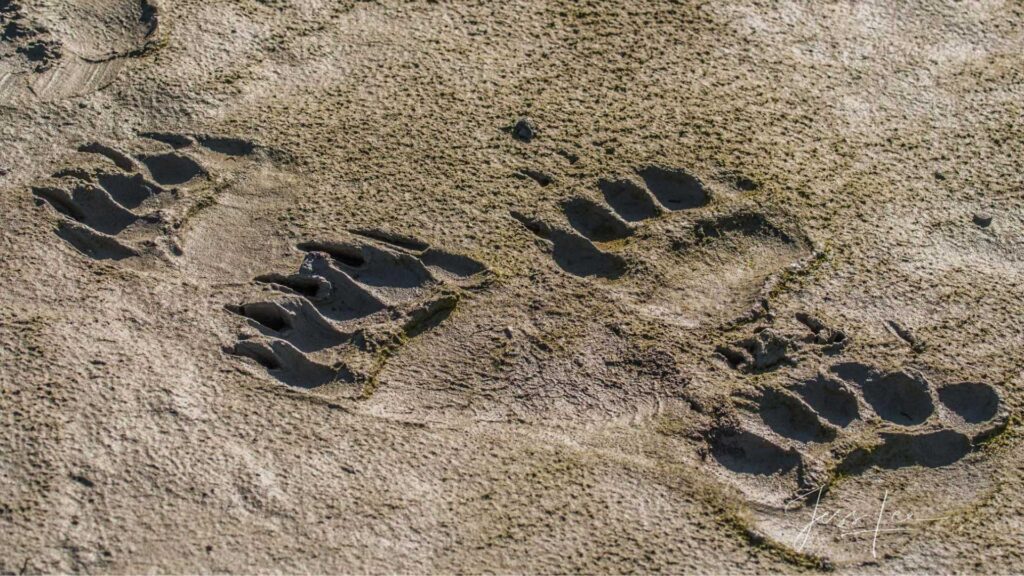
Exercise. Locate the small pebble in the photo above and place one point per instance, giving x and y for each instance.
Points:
(983, 219)
(939, 175)
(524, 129)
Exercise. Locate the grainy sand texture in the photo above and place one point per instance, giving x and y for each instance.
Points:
(540, 286)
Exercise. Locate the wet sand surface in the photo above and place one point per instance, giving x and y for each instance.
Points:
(310, 286)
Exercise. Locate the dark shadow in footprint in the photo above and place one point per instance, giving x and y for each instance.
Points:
(594, 221)
(629, 200)
(830, 398)
(334, 293)
(60, 200)
(173, 140)
(374, 266)
(227, 146)
(294, 320)
(747, 453)
(89, 205)
(342, 253)
(92, 243)
(975, 402)
(127, 190)
(311, 287)
(344, 298)
(854, 372)
(745, 223)
(429, 316)
(900, 398)
(455, 264)
(579, 257)
(898, 450)
(120, 159)
(789, 417)
(284, 362)
(574, 254)
(675, 189)
(172, 168)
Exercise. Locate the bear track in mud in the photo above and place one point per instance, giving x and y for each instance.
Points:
(114, 205)
(845, 420)
(626, 203)
(664, 228)
(351, 305)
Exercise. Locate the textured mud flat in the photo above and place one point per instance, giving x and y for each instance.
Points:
(694, 287)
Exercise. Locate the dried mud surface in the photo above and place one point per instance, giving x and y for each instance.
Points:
(305, 286)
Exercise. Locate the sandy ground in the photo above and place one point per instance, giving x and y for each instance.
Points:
(312, 286)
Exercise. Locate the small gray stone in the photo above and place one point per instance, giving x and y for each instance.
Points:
(982, 219)
(524, 129)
